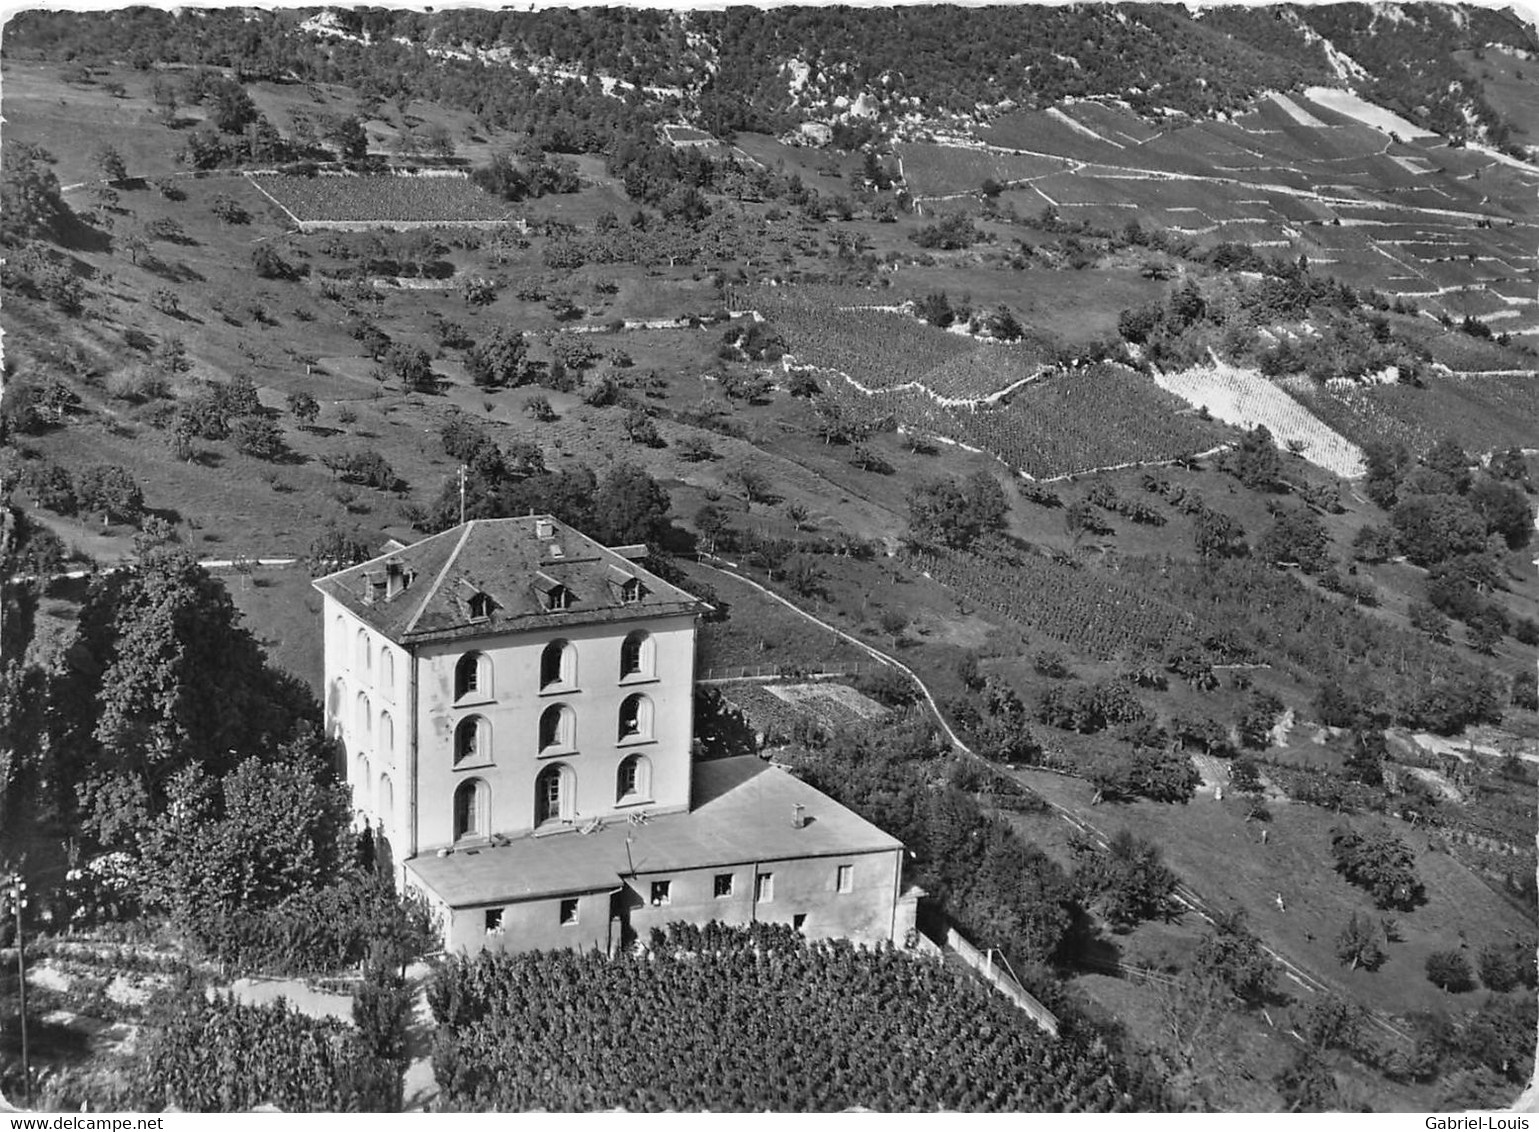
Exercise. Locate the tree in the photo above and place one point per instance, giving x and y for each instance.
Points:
(31, 203)
(642, 429)
(1217, 536)
(1505, 510)
(334, 549)
(1365, 758)
(1297, 535)
(110, 163)
(711, 520)
(1379, 862)
(111, 490)
(1233, 955)
(265, 830)
(1128, 882)
(629, 507)
(1450, 970)
(268, 264)
(935, 309)
(411, 366)
(304, 407)
(259, 437)
(347, 134)
(1358, 945)
(538, 406)
(499, 360)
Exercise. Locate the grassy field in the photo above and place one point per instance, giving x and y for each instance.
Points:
(1221, 855)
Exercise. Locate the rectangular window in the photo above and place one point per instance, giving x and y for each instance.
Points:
(662, 892)
(569, 911)
(764, 887)
(494, 919)
(723, 885)
(846, 878)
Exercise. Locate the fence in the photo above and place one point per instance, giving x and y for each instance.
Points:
(723, 674)
(1002, 981)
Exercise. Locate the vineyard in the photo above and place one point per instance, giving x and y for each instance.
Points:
(220, 1055)
(733, 1019)
(380, 199)
(1067, 422)
(933, 170)
(1074, 604)
(1244, 398)
(1483, 413)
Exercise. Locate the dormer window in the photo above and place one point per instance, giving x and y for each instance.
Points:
(554, 595)
(480, 606)
(632, 591)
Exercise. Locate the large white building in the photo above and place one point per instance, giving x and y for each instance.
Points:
(515, 703)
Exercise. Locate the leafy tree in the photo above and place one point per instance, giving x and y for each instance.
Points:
(363, 466)
(347, 134)
(334, 549)
(1505, 510)
(304, 407)
(266, 830)
(1358, 944)
(1450, 970)
(642, 429)
(1366, 756)
(1306, 1084)
(499, 360)
(1216, 536)
(1128, 882)
(629, 507)
(1432, 528)
(411, 366)
(1297, 535)
(1381, 863)
(259, 437)
(1509, 465)
(110, 163)
(111, 490)
(538, 406)
(935, 309)
(162, 676)
(1448, 458)
(31, 203)
(1232, 954)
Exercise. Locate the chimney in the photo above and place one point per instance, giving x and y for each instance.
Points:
(798, 816)
(374, 588)
(544, 528)
(396, 577)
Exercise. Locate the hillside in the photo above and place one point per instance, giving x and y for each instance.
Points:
(1157, 385)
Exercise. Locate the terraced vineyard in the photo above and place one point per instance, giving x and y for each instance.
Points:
(1244, 398)
(1483, 413)
(326, 199)
(1077, 605)
(1070, 421)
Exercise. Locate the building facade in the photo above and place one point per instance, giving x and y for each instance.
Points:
(515, 707)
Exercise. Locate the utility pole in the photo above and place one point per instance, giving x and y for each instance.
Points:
(14, 894)
(462, 494)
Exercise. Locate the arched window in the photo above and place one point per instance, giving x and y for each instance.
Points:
(636, 656)
(473, 740)
(558, 728)
(633, 782)
(635, 718)
(555, 791)
(362, 651)
(387, 671)
(361, 787)
(473, 677)
(364, 724)
(471, 806)
(386, 743)
(386, 801)
(336, 700)
(558, 665)
(339, 641)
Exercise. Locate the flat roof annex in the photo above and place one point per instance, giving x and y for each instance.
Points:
(490, 576)
(742, 815)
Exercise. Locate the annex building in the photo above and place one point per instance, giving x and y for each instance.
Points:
(515, 703)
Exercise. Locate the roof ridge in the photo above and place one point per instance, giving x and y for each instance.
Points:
(438, 581)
